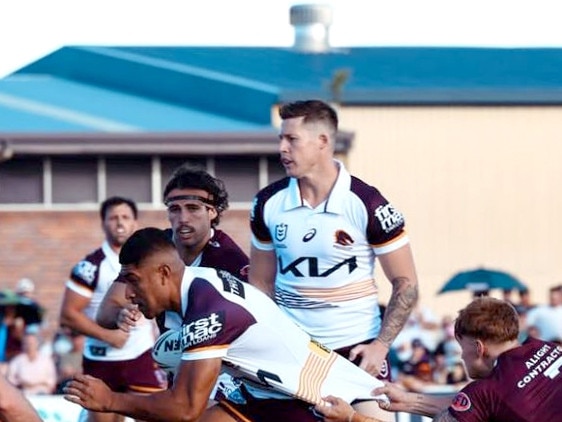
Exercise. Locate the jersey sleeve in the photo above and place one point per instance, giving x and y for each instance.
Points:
(473, 403)
(385, 224)
(229, 256)
(212, 324)
(260, 231)
(261, 234)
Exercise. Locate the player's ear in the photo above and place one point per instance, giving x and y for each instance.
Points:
(164, 270)
(480, 349)
(213, 213)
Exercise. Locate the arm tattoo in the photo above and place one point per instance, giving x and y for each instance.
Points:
(444, 416)
(403, 299)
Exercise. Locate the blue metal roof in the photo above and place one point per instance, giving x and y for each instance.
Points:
(52, 104)
(230, 89)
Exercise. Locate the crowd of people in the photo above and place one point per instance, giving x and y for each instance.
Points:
(296, 329)
(35, 356)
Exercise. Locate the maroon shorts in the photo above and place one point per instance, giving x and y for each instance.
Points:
(268, 410)
(140, 375)
(384, 375)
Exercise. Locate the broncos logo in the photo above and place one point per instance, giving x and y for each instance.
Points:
(342, 238)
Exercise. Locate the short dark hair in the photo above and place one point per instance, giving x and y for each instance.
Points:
(488, 319)
(142, 243)
(312, 111)
(113, 201)
(189, 176)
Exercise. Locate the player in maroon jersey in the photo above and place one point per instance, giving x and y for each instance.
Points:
(513, 382)
(195, 201)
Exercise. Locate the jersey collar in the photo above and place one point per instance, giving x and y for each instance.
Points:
(335, 201)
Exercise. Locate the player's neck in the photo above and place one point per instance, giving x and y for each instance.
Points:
(495, 350)
(190, 253)
(315, 188)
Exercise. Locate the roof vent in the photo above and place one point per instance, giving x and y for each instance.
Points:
(312, 23)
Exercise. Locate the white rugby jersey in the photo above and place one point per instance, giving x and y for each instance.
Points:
(226, 318)
(91, 278)
(326, 255)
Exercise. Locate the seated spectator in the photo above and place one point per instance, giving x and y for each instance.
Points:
(68, 348)
(13, 328)
(420, 364)
(440, 369)
(457, 375)
(31, 371)
(548, 318)
(525, 304)
(28, 307)
(448, 346)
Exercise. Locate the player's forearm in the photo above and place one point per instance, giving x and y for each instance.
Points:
(402, 301)
(79, 322)
(426, 405)
(107, 315)
(13, 405)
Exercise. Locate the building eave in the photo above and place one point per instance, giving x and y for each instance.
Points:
(238, 143)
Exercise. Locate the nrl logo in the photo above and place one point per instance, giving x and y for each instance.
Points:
(281, 232)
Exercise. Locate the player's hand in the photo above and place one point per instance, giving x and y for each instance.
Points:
(116, 338)
(335, 409)
(373, 357)
(398, 396)
(89, 392)
(128, 317)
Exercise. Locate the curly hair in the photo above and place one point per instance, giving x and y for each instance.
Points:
(188, 176)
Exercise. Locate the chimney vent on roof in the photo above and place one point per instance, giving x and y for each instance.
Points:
(312, 23)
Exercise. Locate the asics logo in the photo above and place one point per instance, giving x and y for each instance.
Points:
(308, 237)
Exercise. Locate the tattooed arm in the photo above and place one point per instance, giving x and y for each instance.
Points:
(399, 268)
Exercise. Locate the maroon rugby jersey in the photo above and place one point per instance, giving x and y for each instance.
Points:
(223, 253)
(525, 385)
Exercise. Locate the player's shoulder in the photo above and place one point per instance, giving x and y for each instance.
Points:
(96, 256)
(223, 240)
(364, 190)
(270, 190)
(87, 268)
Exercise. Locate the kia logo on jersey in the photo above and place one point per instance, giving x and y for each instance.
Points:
(308, 236)
(281, 232)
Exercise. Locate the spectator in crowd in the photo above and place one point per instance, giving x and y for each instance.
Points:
(123, 359)
(457, 375)
(548, 318)
(12, 330)
(448, 347)
(68, 347)
(30, 309)
(503, 388)
(419, 365)
(14, 407)
(31, 371)
(25, 287)
(525, 303)
(507, 295)
(235, 326)
(315, 237)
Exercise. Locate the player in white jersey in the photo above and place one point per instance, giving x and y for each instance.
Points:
(315, 237)
(122, 359)
(228, 324)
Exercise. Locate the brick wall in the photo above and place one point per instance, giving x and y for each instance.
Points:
(44, 245)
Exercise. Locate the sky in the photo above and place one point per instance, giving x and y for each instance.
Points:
(30, 29)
